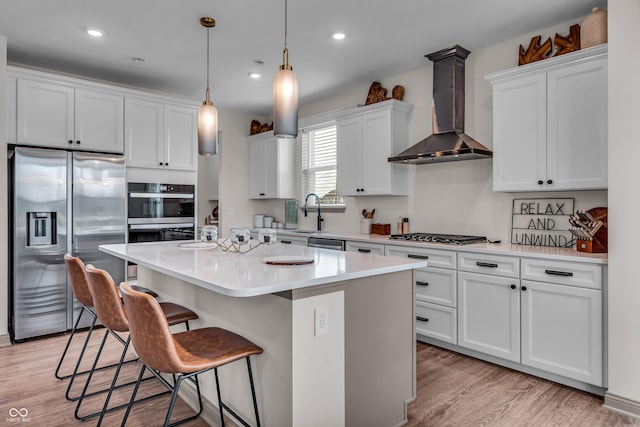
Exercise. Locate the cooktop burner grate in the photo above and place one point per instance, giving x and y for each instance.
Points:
(454, 239)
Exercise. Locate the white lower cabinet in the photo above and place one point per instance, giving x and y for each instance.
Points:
(365, 247)
(436, 296)
(489, 314)
(552, 323)
(562, 330)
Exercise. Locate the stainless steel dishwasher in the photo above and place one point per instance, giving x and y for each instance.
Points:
(322, 242)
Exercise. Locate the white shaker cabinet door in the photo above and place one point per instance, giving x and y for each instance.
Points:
(349, 151)
(99, 121)
(45, 114)
(257, 170)
(562, 330)
(519, 140)
(180, 137)
(144, 133)
(577, 126)
(376, 149)
(489, 315)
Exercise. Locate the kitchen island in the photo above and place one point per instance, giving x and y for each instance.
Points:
(356, 368)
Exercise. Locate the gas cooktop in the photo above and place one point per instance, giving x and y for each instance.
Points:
(454, 239)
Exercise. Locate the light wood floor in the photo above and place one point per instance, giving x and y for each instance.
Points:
(453, 390)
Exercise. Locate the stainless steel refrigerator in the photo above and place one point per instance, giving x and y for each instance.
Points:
(61, 201)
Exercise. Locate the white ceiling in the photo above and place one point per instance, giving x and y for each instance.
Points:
(384, 38)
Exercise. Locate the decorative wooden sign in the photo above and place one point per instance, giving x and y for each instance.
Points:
(569, 43)
(535, 51)
(542, 222)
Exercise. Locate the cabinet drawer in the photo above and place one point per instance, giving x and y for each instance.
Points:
(434, 257)
(495, 265)
(436, 321)
(437, 286)
(367, 248)
(563, 273)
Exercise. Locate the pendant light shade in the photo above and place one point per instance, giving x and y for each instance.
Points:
(207, 114)
(285, 94)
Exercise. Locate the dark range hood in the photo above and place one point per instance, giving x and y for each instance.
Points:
(448, 142)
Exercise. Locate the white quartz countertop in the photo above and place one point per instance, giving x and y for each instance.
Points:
(246, 275)
(546, 252)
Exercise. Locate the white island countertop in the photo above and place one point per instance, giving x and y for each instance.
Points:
(247, 275)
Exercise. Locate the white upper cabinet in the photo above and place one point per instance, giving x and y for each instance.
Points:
(271, 167)
(550, 124)
(180, 137)
(367, 136)
(161, 136)
(11, 109)
(58, 115)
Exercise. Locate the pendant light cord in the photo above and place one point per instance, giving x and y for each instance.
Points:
(208, 30)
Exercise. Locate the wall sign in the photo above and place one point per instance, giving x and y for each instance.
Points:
(542, 222)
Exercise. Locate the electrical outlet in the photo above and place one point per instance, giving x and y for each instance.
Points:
(321, 313)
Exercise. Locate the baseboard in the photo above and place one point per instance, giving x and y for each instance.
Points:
(5, 340)
(621, 405)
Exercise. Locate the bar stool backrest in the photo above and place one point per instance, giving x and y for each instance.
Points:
(150, 331)
(78, 279)
(106, 299)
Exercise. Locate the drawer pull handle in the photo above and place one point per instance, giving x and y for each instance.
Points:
(559, 273)
(486, 264)
(422, 319)
(286, 242)
(365, 251)
(422, 283)
(417, 256)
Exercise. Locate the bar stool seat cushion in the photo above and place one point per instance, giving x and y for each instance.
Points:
(176, 313)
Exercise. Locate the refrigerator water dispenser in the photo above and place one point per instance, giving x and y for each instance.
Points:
(41, 228)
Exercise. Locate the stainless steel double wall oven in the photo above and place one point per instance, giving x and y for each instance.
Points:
(160, 212)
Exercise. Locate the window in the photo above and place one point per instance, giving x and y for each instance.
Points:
(319, 157)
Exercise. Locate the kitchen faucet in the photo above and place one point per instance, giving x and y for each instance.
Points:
(305, 209)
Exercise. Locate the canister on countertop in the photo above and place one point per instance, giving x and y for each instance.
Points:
(258, 220)
(268, 221)
(399, 225)
(405, 225)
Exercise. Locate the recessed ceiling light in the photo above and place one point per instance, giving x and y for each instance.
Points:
(338, 36)
(255, 75)
(95, 32)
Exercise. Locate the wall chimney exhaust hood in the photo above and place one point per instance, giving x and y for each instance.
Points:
(448, 142)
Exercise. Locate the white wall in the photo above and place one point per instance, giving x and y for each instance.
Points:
(4, 237)
(624, 203)
(446, 197)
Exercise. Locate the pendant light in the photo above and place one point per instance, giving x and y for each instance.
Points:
(207, 114)
(285, 94)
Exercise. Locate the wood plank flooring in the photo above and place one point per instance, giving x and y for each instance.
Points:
(453, 390)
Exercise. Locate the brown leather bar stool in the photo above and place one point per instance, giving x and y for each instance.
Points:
(187, 354)
(109, 309)
(80, 289)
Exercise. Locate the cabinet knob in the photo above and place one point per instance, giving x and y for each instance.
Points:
(362, 189)
(166, 164)
(524, 288)
(513, 286)
(160, 163)
(549, 181)
(70, 142)
(77, 142)
(540, 182)
(358, 190)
